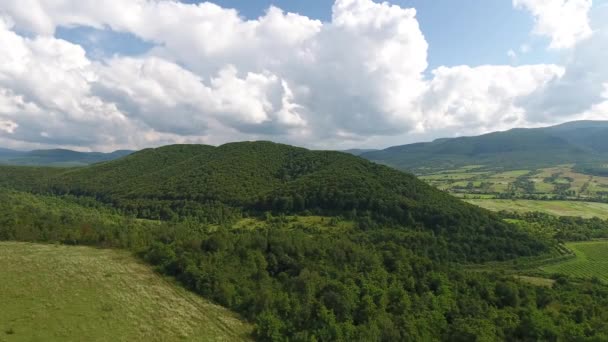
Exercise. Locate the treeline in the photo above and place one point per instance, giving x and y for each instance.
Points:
(371, 283)
(595, 169)
(563, 228)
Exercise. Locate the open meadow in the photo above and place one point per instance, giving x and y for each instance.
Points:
(62, 293)
(558, 208)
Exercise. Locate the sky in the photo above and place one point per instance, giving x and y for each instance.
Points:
(318, 73)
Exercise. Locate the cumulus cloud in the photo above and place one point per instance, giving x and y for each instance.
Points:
(565, 22)
(282, 76)
(482, 97)
(582, 87)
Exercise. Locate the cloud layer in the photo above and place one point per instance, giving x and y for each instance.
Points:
(213, 76)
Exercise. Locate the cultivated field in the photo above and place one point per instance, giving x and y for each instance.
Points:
(591, 261)
(561, 182)
(558, 208)
(60, 293)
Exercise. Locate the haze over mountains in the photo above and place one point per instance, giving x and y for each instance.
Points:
(578, 142)
(574, 142)
(57, 157)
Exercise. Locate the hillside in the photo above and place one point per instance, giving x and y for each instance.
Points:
(51, 293)
(215, 184)
(576, 142)
(57, 157)
(306, 245)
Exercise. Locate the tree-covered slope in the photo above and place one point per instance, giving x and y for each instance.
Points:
(385, 283)
(250, 178)
(576, 142)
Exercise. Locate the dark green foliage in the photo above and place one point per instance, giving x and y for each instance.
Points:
(596, 169)
(563, 228)
(220, 184)
(380, 285)
(399, 274)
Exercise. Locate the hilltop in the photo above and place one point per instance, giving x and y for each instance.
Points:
(580, 142)
(215, 184)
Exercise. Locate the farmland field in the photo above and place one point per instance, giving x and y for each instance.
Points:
(560, 182)
(61, 293)
(591, 261)
(558, 208)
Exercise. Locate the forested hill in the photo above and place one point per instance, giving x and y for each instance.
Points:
(308, 245)
(580, 142)
(216, 184)
(57, 157)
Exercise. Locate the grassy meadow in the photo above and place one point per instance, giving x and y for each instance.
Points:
(558, 208)
(591, 261)
(62, 293)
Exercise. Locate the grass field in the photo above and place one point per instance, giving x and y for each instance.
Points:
(60, 293)
(591, 260)
(559, 208)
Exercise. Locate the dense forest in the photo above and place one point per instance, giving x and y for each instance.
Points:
(563, 228)
(402, 269)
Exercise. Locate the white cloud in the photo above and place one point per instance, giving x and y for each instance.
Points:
(482, 98)
(8, 126)
(565, 22)
(582, 85)
(356, 79)
(280, 74)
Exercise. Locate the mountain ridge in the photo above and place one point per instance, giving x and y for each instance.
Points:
(574, 142)
(57, 157)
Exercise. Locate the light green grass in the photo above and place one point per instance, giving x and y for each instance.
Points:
(61, 293)
(559, 208)
(538, 281)
(512, 174)
(591, 261)
(297, 222)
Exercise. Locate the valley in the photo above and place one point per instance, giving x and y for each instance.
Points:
(561, 182)
(558, 208)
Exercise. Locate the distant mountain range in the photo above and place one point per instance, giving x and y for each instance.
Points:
(57, 157)
(358, 151)
(579, 142)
